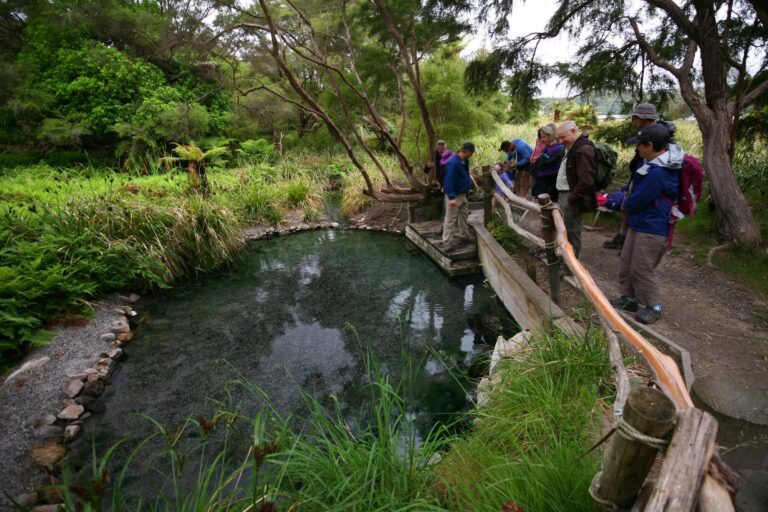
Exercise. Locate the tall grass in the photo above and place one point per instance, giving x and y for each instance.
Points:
(527, 447)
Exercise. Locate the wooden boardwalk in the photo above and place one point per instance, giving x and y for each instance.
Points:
(457, 261)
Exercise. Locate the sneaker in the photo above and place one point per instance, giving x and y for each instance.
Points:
(649, 315)
(625, 303)
(617, 242)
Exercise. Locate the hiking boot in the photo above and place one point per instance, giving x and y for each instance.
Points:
(648, 315)
(625, 303)
(617, 242)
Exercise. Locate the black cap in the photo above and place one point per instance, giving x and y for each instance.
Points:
(653, 133)
(504, 145)
(467, 146)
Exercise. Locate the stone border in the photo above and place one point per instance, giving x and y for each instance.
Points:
(264, 233)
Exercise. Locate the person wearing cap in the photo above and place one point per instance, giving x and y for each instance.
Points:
(456, 185)
(519, 162)
(645, 114)
(648, 207)
(575, 182)
(436, 162)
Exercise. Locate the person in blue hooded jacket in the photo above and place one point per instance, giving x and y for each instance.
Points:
(649, 207)
(456, 185)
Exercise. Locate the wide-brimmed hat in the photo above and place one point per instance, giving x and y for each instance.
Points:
(646, 111)
(653, 133)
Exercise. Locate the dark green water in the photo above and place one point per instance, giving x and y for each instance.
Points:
(299, 314)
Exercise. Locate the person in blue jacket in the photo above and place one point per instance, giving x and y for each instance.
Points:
(456, 185)
(519, 159)
(649, 207)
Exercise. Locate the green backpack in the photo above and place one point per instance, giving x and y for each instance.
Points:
(606, 157)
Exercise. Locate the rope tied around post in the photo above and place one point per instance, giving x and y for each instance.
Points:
(630, 433)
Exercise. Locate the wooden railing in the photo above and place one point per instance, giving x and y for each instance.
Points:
(643, 416)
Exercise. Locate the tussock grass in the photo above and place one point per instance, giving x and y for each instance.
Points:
(528, 446)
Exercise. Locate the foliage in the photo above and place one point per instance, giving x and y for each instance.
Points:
(257, 151)
(67, 236)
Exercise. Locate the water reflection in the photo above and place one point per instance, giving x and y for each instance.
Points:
(301, 313)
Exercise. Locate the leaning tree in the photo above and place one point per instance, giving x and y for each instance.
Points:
(366, 55)
(715, 52)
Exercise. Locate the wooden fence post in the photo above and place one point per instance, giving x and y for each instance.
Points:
(628, 460)
(549, 234)
(685, 464)
(487, 194)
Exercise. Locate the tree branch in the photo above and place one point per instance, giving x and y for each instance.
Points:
(678, 16)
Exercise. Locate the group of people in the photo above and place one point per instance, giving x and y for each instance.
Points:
(563, 164)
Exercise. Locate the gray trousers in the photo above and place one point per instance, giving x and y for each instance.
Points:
(640, 255)
(572, 222)
(456, 218)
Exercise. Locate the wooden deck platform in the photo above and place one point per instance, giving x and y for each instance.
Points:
(457, 261)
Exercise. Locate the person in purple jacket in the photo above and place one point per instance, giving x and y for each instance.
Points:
(649, 207)
(544, 169)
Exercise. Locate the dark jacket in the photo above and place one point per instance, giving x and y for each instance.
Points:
(457, 180)
(580, 169)
(549, 162)
(654, 190)
(439, 169)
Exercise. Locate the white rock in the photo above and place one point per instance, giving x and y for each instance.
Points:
(74, 388)
(506, 348)
(115, 353)
(334, 225)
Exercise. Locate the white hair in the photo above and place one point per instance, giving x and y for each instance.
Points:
(567, 126)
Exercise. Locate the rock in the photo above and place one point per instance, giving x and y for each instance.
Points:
(130, 298)
(26, 500)
(85, 400)
(94, 388)
(90, 371)
(334, 225)
(116, 344)
(107, 337)
(116, 354)
(125, 337)
(48, 454)
(74, 387)
(85, 416)
(79, 376)
(48, 419)
(120, 326)
(97, 406)
(71, 432)
(29, 365)
(71, 412)
(508, 348)
(105, 362)
(93, 377)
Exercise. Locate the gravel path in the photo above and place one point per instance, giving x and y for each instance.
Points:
(30, 399)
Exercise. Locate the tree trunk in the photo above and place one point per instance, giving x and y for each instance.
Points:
(735, 221)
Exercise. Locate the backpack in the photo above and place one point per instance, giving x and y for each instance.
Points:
(690, 188)
(689, 193)
(605, 157)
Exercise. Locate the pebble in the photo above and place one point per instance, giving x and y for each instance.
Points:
(71, 432)
(116, 354)
(74, 387)
(71, 412)
(48, 454)
(120, 326)
(107, 337)
(125, 337)
(93, 388)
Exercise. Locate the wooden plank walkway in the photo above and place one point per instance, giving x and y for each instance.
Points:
(457, 261)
